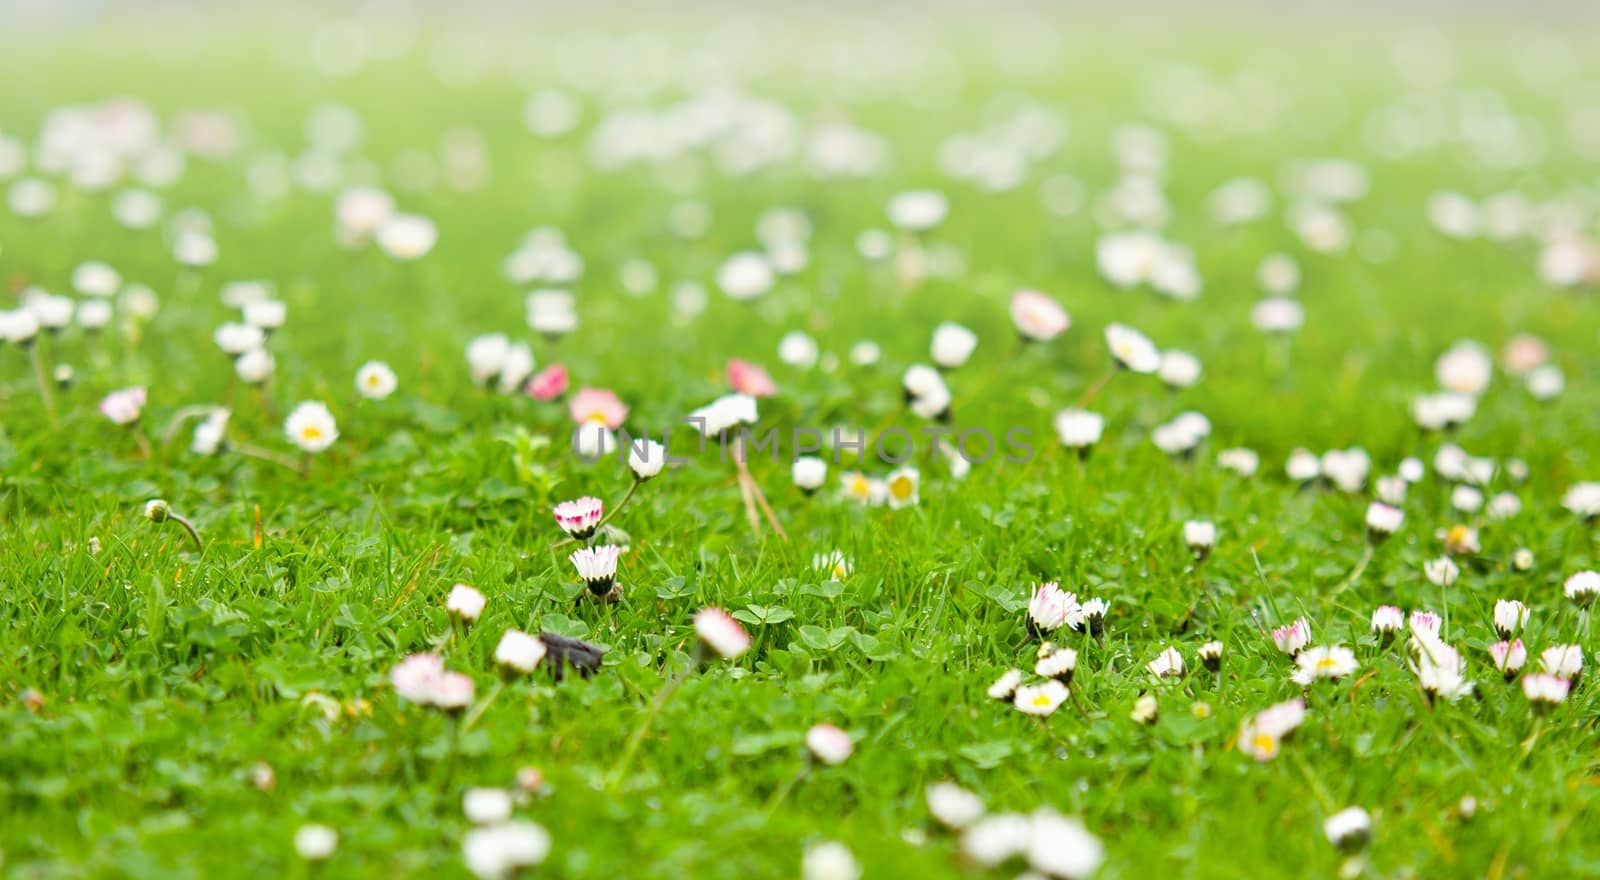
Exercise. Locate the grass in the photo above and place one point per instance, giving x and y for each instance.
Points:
(168, 673)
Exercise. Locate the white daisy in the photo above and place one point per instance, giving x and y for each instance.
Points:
(1040, 699)
(311, 427)
(375, 381)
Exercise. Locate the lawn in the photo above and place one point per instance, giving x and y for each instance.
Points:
(811, 194)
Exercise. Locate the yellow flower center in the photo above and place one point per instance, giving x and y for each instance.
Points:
(1265, 746)
(1042, 700)
(859, 486)
(900, 487)
(311, 432)
(1327, 663)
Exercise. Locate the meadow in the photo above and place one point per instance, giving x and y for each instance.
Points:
(1316, 296)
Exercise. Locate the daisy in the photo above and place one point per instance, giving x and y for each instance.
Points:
(1056, 663)
(1210, 655)
(1424, 624)
(18, 327)
(833, 564)
(1582, 588)
(1462, 540)
(255, 366)
(1441, 572)
(1565, 661)
(1144, 710)
(724, 414)
(315, 843)
(1278, 315)
(1465, 368)
(903, 487)
(580, 516)
(1508, 657)
(499, 851)
(797, 349)
(809, 473)
(375, 381)
(1261, 736)
(746, 275)
(597, 405)
(93, 315)
(1347, 469)
(1504, 506)
(211, 433)
(597, 566)
(747, 378)
(485, 356)
(519, 652)
(855, 486)
(1292, 638)
(1545, 691)
(515, 368)
(1179, 369)
(486, 806)
(311, 427)
(1168, 664)
(1200, 535)
(407, 236)
(1466, 499)
(953, 806)
(1522, 559)
(829, 744)
(359, 211)
(123, 407)
(267, 314)
(952, 345)
(1040, 699)
(1132, 349)
(1386, 621)
(551, 313)
(1510, 616)
(414, 678)
(465, 602)
(918, 210)
(1441, 670)
(718, 631)
(994, 839)
(1062, 847)
(1006, 685)
(548, 384)
(1278, 274)
(1244, 462)
(236, 338)
(1079, 429)
(1050, 608)
(646, 458)
(1093, 617)
(1391, 490)
(1038, 317)
(1382, 520)
(1349, 829)
(829, 860)
(94, 278)
(1303, 465)
(1583, 499)
(1324, 662)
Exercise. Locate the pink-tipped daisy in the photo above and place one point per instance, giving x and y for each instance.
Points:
(549, 383)
(580, 516)
(597, 405)
(1038, 317)
(718, 631)
(747, 378)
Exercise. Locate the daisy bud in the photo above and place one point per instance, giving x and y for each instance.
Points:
(1056, 663)
(1382, 521)
(1200, 536)
(1210, 655)
(504, 850)
(952, 345)
(1545, 691)
(579, 517)
(646, 458)
(1387, 620)
(1508, 657)
(1411, 470)
(829, 744)
(452, 692)
(315, 843)
(465, 602)
(1006, 685)
(1079, 429)
(1510, 616)
(718, 631)
(64, 375)
(1094, 617)
(32, 700)
(953, 806)
(519, 652)
(1348, 829)
(1179, 369)
(486, 806)
(597, 566)
(829, 860)
(1467, 807)
(156, 510)
(1441, 572)
(1582, 588)
(1292, 638)
(1168, 664)
(1522, 560)
(530, 779)
(1145, 710)
(809, 473)
(1565, 661)
(263, 777)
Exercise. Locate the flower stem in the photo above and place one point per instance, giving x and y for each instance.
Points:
(1361, 566)
(621, 503)
(782, 792)
(478, 710)
(44, 383)
(266, 455)
(1098, 385)
(188, 526)
(630, 748)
